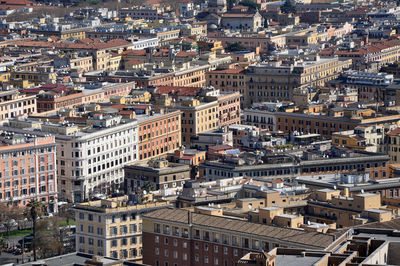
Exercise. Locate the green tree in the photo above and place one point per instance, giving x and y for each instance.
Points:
(250, 3)
(288, 7)
(235, 47)
(9, 215)
(35, 210)
(148, 186)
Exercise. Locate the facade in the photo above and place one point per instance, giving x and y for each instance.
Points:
(158, 134)
(89, 160)
(13, 104)
(57, 99)
(371, 87)
(142, 13)
(159, 173)
(112, 228)
(375, 165)
(347, 211)
(242, 21)
(393, 145)
(28, 170)
(197, 117)
(276, 81)
(229, 108)
(184, 238)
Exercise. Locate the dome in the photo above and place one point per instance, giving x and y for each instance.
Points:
(212, 26)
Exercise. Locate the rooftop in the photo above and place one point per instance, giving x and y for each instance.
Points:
(297, 237)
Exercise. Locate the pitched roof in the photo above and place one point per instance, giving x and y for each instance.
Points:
(290, 236)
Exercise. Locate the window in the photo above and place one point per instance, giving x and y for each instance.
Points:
(157, 239)
(114, 243)
(157, 251)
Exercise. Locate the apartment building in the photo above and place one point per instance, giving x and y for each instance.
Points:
(28, 170)
(158, 173)
(300, 122)
(367, 138)
(44, 74)
(113, 227)
(84, 63)
(90, 160)
(57, 97)
(228, 106)
(197, 117)
(315, 124)
(158, 134)
(13, 103)
(375, 165)
(228, 80)
(148, 13)
(177, 236)
(276, 81)
(393, 145)
(371, 87)
(331, 207)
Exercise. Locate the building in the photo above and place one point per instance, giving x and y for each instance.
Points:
(229, 108)
(112, 227)
(368, 138)
(197, 117)
(393, 145)
(276, 81)
(372, 164)
(181, 237)
(228, 80)
(90, 160)
(141, 13)
(371, 87)
(13, 103)
(28, 170)
(83, 259)
(242, 21)
(330, 207)
(156, 174)
(317, 123)
(158, 134)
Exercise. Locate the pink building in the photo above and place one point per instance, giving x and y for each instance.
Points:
(28, 170)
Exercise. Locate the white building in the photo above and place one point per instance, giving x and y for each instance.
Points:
(90, 160)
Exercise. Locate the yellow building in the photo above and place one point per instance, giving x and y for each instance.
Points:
(37, 77)
(112, 227)
(13, 104)
(197, 117)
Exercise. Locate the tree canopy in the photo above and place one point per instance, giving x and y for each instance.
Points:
(288, 7)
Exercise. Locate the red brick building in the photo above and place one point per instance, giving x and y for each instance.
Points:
(158, 134)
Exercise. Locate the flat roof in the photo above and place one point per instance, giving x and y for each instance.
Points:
(296, 260)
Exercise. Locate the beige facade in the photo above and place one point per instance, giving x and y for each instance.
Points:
(13, 103)
(197, 117)
(112, 227)
(277, 81)
(158, 172)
